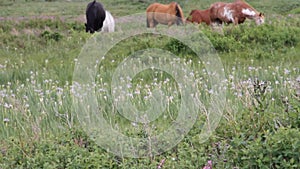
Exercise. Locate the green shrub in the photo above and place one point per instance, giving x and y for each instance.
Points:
(272, 35)
(47, 35)
(77, 26)
(257, 130)
(278, 150)
(267, 37)
(70, 150)
(176, 46)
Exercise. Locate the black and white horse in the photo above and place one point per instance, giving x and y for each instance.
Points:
(95, 16)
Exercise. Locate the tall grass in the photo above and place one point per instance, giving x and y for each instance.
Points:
(39, 129)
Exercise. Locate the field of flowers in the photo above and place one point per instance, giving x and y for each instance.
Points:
(47, 112)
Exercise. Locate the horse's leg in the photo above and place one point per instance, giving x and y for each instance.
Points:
(150, 20)
(217, 25)
(152, 23)
(236, 21)
(213, 25)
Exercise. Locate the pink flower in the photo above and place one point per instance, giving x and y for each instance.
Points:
(160, 165)
(208, 165)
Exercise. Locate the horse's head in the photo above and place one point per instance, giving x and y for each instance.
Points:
(259, 18)
(88, 29)
(251, 13)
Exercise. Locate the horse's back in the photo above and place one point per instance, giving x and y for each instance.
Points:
(205, 15)
(215, 9)
(164, 14)
(152, 7)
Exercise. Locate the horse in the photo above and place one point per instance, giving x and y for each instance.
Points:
(235, 12)
(164, 14)
(199, 16)
(95, 16)
(109, 23)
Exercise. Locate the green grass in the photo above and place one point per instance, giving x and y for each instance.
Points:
(75, 8)
(39, 125)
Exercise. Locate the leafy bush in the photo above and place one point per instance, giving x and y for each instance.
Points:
(176, 46)
(272, 35)
(267, 36)
(278, 150)
(77, 26)
(47, 35)
(225, 43)
(258, 129)
(71, 150)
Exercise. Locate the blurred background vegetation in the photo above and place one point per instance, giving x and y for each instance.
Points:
(40, 41)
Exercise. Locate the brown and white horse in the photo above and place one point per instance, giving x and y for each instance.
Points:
(235, 12)
(164, 14)
(199, 16)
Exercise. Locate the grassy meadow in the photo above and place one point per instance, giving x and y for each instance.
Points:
(40, 44)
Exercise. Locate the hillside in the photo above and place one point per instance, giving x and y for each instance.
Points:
(173, 99)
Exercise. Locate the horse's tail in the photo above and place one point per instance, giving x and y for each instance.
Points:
(179, 14)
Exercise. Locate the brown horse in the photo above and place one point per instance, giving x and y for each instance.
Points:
(199, 16)
(164, 14)
(235, 12)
